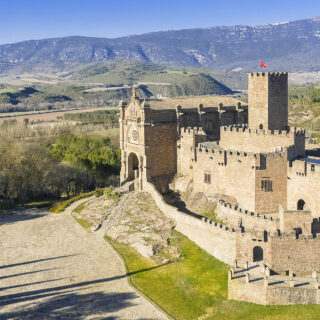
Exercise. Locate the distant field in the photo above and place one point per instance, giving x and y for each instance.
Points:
(43, 115)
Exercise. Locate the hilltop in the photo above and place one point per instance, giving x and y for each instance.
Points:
(291, 46)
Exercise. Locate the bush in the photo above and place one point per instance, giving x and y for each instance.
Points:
(111, 194)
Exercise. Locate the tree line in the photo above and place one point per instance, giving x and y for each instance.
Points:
(64, 167)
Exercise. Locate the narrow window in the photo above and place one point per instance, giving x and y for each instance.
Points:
(266, 185)
(312, 167)
(207, 178)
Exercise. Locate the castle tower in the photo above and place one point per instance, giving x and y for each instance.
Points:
(268, 100)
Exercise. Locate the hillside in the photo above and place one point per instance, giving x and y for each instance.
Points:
(104, 85)
(292, 46)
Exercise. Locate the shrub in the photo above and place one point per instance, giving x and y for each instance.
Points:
(111, 194)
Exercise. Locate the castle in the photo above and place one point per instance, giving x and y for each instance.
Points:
(257, 169)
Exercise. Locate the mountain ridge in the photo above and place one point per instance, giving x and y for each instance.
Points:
(290, 46)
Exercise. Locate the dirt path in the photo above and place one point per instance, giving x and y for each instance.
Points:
(50, 268)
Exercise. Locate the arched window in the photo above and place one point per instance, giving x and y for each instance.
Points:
(300, 204)
(257, 254)
(261, 126)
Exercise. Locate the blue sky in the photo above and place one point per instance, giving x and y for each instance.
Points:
(36, 19)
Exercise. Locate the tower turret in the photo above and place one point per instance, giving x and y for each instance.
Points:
(268, 100)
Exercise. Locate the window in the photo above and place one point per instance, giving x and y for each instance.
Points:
(266, 185)
(207, 178)
(312, 167)
(300, 204)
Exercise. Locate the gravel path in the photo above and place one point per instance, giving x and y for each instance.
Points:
(51, 268)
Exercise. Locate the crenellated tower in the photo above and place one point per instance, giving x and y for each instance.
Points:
(268, 100)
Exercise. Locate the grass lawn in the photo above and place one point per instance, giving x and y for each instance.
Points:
(195, 287)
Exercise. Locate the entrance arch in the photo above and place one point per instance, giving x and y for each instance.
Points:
(133, 166)
(257, 254)
(301, 204)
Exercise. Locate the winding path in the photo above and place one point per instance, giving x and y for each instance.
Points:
(51, 268)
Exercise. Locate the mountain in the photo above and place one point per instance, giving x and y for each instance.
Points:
(105, 84)
(291, 46)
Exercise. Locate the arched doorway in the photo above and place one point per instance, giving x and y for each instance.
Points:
(257, 254)
(133, 166)
(301, 204)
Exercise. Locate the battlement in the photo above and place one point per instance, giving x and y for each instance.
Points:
(269, 74)
(246, 212)
(193, 130)
(245, 130)
(218, 226)
(255, 283)
(261, 140)
(202, 148)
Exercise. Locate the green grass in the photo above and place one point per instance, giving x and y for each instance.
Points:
(195, 287)
(60, 206)
(80, 207)
(84, 223)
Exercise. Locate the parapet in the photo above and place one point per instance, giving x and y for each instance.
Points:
(216, 225)
(251, 131)
(193, 130)
(246, 212)
(269, 74)
(203, 147)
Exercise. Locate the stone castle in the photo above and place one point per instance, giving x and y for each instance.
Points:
(254, 166)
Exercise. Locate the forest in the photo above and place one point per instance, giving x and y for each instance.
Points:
(53, 165)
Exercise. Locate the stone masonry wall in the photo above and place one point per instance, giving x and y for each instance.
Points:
(299, 255)
(232, 215)
(161, 149)
(215, 239)
(255, 140)
(268, 100)
(227, 178)
(275, 170)
(304, 183)
(255, 292)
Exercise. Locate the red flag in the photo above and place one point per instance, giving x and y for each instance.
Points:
(262, 64)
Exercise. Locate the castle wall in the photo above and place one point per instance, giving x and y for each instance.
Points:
(255, 140)
(299, 255)
(304, 184)
(233, 215)
(295, 220)
(240, 175)
(274, 170)
(186, 149)
(247, 241)
(250, 292)
(257, 292)
(231, 174)
(217, 240)
(161, 153)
